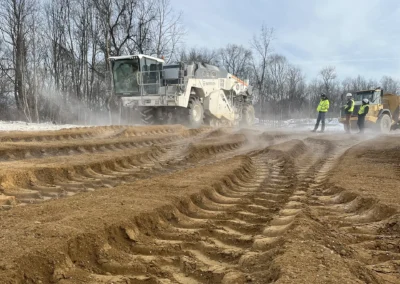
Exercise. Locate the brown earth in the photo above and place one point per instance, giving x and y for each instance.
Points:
(166, 204)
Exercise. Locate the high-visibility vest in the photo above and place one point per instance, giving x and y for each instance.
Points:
(362, 109)
(352, 106)
(323, 106)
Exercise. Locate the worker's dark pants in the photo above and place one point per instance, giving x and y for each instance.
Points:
(347, 123)
(360, 123)
(321, 118)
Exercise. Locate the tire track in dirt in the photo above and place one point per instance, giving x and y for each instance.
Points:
(268, 245)
(80, 248)
(263, 222)
(81, 133)
(309, 171)
(123, 139)
(47, 179)
(240, 227)
(45, 183)
(13, 152)
(213, 236)
(255, 140)
(370, 230)
(365, 225)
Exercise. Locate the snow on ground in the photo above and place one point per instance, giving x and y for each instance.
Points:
(331, 124)
(25, 126)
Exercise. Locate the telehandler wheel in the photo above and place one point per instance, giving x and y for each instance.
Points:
(384, 123)
(196, 113)
(248, 116)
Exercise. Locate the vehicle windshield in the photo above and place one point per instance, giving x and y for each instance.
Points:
(372, 96)
(367, 95)
(125, 74)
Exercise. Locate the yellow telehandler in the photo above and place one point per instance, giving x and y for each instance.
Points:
(383, 112)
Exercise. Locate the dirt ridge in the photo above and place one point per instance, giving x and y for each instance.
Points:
(167, 204)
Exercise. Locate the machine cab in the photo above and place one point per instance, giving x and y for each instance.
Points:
(136, 75)
(374, 96)
(375, 99)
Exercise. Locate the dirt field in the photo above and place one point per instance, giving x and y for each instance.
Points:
(166, 204)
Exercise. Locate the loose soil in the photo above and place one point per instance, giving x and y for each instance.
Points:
(166, 204)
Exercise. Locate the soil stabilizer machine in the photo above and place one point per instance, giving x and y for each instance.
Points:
(383, 112)
(189, 94)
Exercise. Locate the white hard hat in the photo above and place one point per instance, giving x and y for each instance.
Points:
(349, 95)
(366, 101)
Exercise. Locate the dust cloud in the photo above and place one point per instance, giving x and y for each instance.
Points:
(65, 109)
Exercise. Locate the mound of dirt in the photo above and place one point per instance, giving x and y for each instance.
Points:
(371, 169)
(167, 204)
(37, 240)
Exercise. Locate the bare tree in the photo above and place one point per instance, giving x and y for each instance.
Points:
(261, 45)
(330, 87)
(15, 25)
(204, 55)
(145, 15)
(313, 91)
(54, 61)
(277, 74)
(328, 75)
(358, 83)
(237, 60)
(117, 19)
(167, 31)
(296, 89)
(390, 85)
(276, 87)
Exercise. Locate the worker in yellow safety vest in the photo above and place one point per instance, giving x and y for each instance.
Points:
(362, 112)
(348, 110)
(322, 110)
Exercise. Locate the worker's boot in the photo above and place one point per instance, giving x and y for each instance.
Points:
(322, 128)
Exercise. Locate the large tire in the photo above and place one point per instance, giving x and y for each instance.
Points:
(148, 115)
(384, 123)
(248, 116)
(195, 113)
(396, 116)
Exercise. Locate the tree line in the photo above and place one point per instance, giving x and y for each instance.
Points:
(54, 54)
(281, 88)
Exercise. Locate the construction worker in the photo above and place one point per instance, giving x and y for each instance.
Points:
(322, 109)
(364, 108)
(348, 110)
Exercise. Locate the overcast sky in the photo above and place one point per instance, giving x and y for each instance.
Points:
(357, 36)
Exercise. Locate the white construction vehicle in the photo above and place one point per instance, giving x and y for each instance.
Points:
(189, 94)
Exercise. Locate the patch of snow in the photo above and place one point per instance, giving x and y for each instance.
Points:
(25, 126)
(331, 124)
